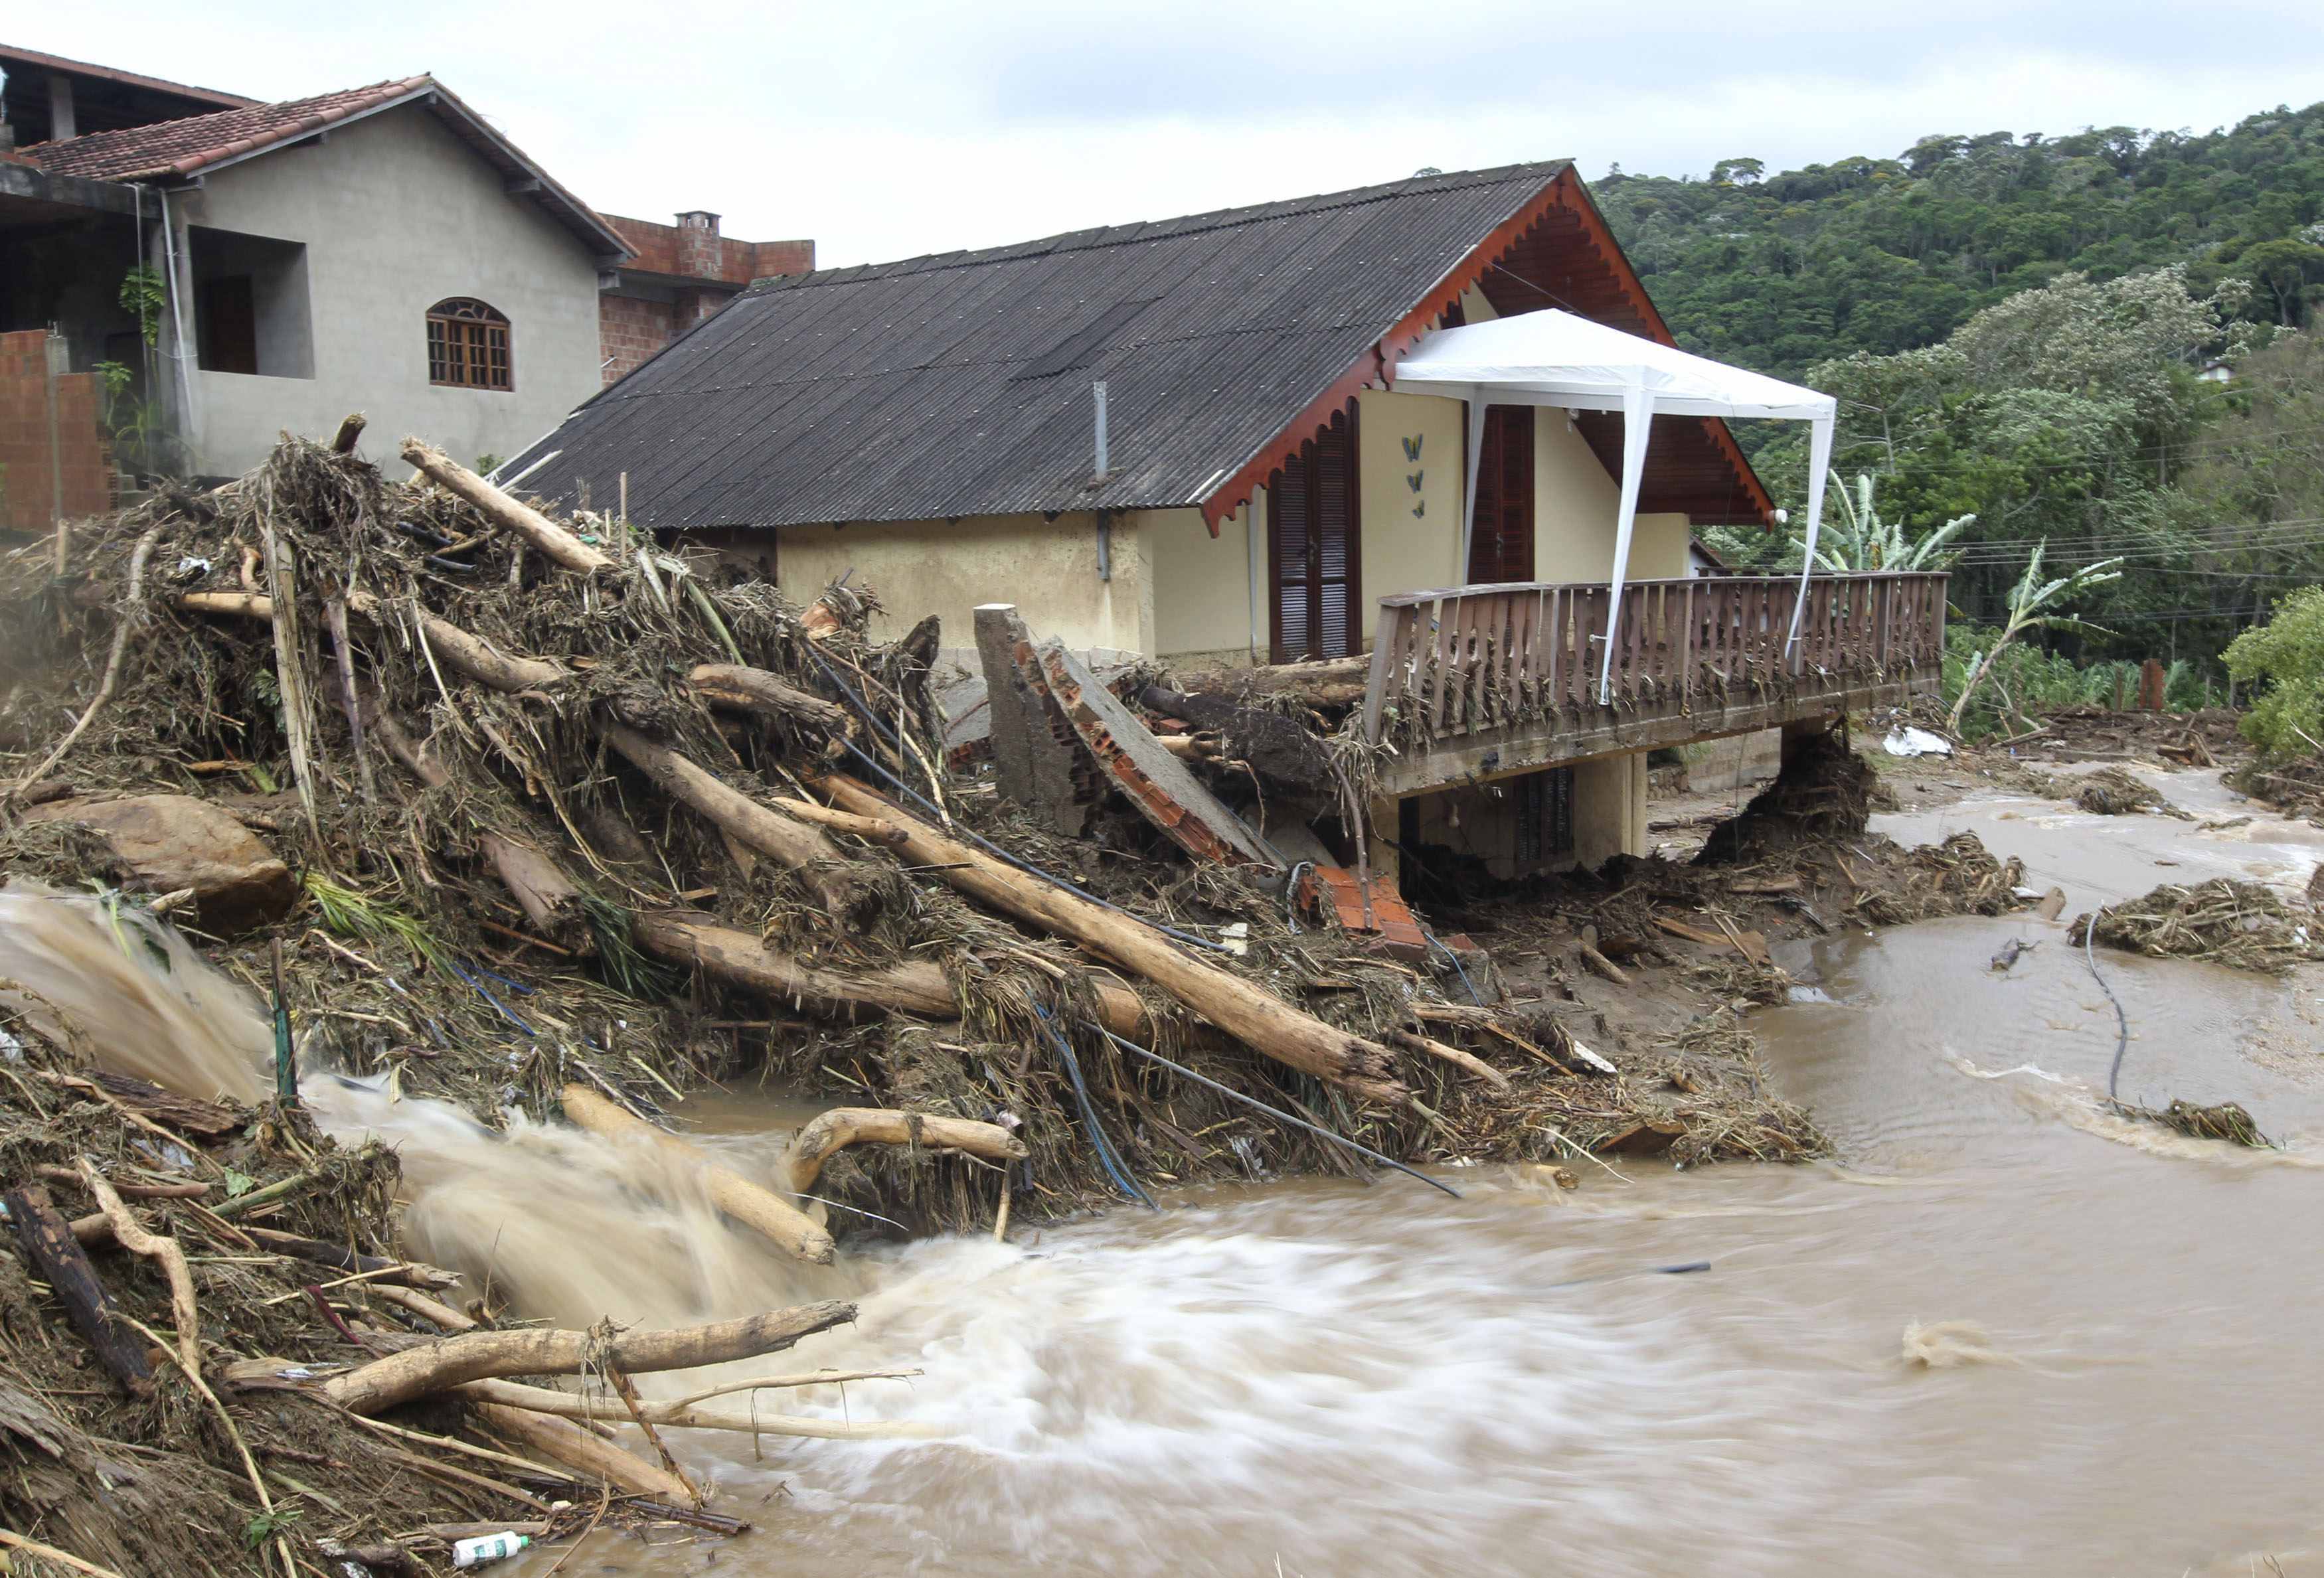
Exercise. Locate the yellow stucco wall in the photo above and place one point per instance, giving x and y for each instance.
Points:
(1203, 592)
(1049, 568)
(1574, 501)
(1403, 551)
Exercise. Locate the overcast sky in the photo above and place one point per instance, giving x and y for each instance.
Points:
(887, 128)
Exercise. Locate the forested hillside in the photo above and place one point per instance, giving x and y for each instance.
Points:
(2103, 347)
(1780, 272)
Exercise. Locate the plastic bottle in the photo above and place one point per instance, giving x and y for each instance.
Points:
(487, 1547)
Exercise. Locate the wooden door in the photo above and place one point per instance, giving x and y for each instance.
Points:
(1501, 546)
(1313, 570)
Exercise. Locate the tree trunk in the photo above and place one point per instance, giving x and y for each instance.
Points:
(577, 1448)
(828, 1133)
(557, 544)
(539, 1400)
(1248, 1012)
(761, 1210)
(53, 1252)
(760, 694)
(439, 1365)
(846, 891)
(541, 889)
(914, 987)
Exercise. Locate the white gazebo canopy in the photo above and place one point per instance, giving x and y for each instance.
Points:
(1555, 358)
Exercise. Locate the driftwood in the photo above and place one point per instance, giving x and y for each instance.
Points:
(687, 1415)
(770, 833)
(371, 1268)
(547, 897)
(1334, 681)
(61, 1262)
(165, 1253)
(761, 1210)
(828, 1133)
(808, 851)
(914, 987)
(578, 1448)
(760, 694)
(1248, 1012)
(1467, 1061)
(555, 543)
(440, 1365)
(873, 828)
(1601, 965)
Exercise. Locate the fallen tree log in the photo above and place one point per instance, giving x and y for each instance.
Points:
(827, 1134)
(448, 1362)
(555, 543)
(1248, 1012)
(542, 1401)
(579, 1449)
(868, 827)
(763, 1210)
(844, 888)
(547, 897)
(51, 1250)
(759, 693)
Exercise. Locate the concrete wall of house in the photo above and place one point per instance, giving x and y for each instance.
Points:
(1481, 820)
(1574, 505)
(396, 214)
(1204, 595)
(1411, 537)
(1049, 568)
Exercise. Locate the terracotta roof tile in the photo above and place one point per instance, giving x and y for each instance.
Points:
(182, 147)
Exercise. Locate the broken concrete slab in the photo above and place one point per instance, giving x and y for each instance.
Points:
(1165, 791)
(1036, 754)
(169, 844)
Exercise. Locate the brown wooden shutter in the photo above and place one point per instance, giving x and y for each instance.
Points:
(1501, 549)
(1314, 541)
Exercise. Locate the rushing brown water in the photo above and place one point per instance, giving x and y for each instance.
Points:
(2008, 1332)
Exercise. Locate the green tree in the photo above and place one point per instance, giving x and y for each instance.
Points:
(2285, 659)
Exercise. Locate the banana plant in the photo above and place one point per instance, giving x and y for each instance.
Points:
(2030, 602)
(1859, 540)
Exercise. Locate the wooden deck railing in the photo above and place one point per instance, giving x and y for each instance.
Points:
(1468, 659)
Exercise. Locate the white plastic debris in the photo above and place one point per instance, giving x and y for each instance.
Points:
(1905, 740)
(487, 1547)
(1237, 938)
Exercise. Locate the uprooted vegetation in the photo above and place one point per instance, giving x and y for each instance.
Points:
(2244, 926)
(547, 819)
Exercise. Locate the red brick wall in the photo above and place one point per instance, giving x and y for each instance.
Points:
(24, 462)
(631, 330)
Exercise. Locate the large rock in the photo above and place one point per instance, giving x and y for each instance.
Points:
(161, 844)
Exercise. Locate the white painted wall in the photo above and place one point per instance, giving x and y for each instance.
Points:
(397, 214)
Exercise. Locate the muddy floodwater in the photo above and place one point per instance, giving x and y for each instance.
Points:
(2006, 1333)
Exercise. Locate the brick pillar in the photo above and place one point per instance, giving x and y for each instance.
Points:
(700, 253)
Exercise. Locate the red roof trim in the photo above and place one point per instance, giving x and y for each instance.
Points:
(1376, 368)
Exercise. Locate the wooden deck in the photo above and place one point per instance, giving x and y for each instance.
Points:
(1479, 682)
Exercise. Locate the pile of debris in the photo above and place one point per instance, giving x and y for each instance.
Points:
(536, 816)
(2244, 926)
(2116, 791)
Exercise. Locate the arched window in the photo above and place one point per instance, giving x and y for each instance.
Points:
(468, 344)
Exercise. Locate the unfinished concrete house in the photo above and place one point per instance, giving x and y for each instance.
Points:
(383, 249)
(1437, 421)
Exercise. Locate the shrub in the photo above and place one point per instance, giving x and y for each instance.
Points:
(2284, 661)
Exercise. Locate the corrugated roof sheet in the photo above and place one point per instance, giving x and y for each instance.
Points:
(895, 392)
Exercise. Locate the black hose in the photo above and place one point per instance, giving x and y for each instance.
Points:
(1115, 1167)
(2121, 1020)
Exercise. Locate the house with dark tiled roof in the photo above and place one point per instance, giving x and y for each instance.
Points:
(1203, 440)
(382, 249)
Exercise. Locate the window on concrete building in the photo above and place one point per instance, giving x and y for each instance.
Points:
(250, 311)
(468, 345)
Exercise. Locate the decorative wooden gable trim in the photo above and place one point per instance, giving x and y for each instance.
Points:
(1563, 196)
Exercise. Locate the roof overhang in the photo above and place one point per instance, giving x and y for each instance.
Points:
(526, 179)
(1564, 201)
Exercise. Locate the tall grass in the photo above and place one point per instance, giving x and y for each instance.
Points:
(2028, 683)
